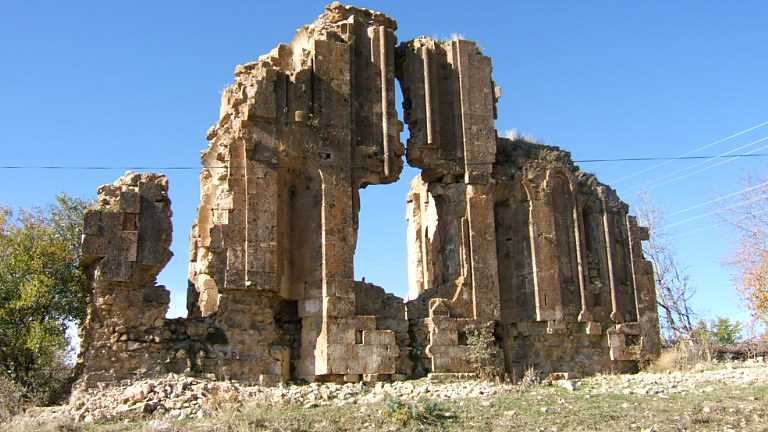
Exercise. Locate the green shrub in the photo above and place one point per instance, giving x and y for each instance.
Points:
(42, 291)
(724, 331)
(420, 413)
(484, 353)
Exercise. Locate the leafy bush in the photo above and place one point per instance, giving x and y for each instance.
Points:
(42, 291)
(724, 331)
(419, 413)
(484, 351)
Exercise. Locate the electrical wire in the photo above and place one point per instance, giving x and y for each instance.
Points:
(706, 227)
(698, 149)
(712, 201)
(670, 178)
(740, 204)
(182, 168)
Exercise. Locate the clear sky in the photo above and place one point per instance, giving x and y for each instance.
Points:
(138, 83)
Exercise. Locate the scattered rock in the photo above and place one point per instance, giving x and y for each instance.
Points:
(567, 384)
(178, 397)
(158, 426)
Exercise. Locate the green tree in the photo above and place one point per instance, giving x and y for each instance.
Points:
(42, 291)
(720, 331)
(725, 332)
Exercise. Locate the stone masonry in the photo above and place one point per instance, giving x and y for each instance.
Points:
(502, 232)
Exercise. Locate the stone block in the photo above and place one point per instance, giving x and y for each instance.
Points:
(379, 337)
(130, 201)
(338, 307)
(594, 328)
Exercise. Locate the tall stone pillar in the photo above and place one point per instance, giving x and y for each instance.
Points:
(126, 243)
(543, 252)
(645, 293)
(478, 103)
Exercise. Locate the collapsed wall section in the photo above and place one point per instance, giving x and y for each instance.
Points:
(127, 235)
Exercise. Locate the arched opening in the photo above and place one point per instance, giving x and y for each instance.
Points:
(381, 252)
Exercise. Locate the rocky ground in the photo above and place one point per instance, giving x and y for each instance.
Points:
(725, 396)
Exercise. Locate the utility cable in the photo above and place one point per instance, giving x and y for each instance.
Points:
(181, 168)
(698, 149)
(712, 201)
(740, 204)
(671, 177)
(704, 228)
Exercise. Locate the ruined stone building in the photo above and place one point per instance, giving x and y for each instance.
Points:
(502, 232)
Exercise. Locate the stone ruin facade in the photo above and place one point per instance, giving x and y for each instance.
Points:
(503, 233)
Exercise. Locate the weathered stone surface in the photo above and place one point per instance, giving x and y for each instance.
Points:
(127, 309)
(503, 232)
(511, 231)
(300, 131)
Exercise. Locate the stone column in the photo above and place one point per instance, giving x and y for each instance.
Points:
(482, 236)
(543, 252)
(477, 101)
(645, 292)
(608, 230)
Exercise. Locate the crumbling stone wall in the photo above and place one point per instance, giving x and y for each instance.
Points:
(300, 132)
(503, 233)
(572, 280)
(127, 235)
(511, 231)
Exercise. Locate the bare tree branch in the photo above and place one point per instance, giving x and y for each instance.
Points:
(673, 288)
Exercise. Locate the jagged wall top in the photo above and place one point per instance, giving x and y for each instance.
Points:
(290, 58)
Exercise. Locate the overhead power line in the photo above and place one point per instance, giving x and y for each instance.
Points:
(706, 227)
(712, 201)
(739, 204)
(197, 167)
(671, 158)
(672, 177)
(698, 149)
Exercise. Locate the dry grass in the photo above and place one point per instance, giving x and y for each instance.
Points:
(685, 355)
(531, 378)
(11, 398)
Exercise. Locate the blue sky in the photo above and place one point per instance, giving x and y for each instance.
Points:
(138, 84)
